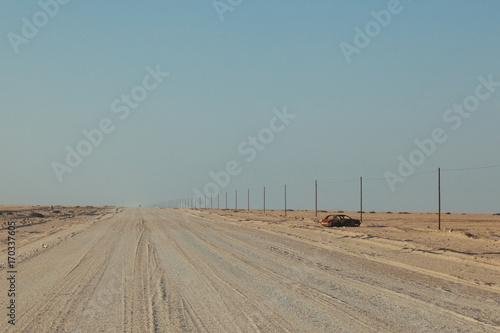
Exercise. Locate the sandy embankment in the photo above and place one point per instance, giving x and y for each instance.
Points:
(34, 234)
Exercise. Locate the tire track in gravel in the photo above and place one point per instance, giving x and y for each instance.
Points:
(257, 312)
(184, 273)
(313, 297)
(89, 267)
(367, 288)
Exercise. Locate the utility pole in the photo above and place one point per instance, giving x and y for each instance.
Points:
(264, 199)
(316, 196)
(361, 199)
(439, 198)
(285, 200)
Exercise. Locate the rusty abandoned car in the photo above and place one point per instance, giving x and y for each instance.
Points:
(339, 220)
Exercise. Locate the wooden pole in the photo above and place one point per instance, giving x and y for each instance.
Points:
(316, 196)
(264, 199)
(361, 199)
(285, 200)
(439, 198)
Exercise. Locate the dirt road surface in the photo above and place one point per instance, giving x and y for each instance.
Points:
(158, 270)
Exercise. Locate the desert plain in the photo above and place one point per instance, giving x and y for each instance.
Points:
(115, 269)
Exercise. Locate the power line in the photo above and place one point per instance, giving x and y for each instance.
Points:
(414, 175)
(476, 168)
(339, 181)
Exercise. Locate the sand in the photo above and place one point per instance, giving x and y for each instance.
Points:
(110, 269)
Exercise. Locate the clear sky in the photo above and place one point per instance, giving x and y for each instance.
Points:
(286, 92)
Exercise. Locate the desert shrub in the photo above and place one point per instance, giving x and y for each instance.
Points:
(448, 213)
(1, 213)
(372, 212)
(56, 211)
(10, 213)
(340, 211)
(35, 214)
(389, 212)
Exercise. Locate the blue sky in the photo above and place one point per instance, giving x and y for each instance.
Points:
(225, 79)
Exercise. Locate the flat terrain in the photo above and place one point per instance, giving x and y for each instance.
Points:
(107, 269)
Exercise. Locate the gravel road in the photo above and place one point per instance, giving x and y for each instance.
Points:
(157, 270)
